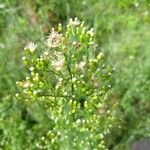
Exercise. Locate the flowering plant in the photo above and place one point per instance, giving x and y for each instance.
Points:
(70, 78)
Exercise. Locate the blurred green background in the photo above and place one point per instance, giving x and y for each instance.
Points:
(122, 30)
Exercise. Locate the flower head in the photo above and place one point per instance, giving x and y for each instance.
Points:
(80, 65)
(91, 32)
(74, 22)
(26, 84)
(58, 64)
(54, 39)
(31, 46)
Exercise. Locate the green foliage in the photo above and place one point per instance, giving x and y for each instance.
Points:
(122, 32)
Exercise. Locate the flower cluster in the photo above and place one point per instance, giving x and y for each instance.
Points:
(72, 81)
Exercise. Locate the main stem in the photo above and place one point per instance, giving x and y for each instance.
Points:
(69, 70)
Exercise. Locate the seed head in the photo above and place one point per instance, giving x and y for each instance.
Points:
(54, 39)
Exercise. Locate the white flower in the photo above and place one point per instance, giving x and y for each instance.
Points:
(17, 95)
(80, 65)
(99, 56)
(46, 53)
(58, 65)
(74, 22)
(17, 82)
(31, 47)
(23, 58)
(74, 79)
(27, 78)
(91, 32)
(54, 39)
(136, 4)
(78, 121)
(74, 43)
(35, 92)
(31, 69)
(26, 84)
(81, 75)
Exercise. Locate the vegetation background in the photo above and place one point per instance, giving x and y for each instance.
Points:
(122, 30)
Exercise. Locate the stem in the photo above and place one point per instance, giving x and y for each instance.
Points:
(69, 70)
(49, 95)
(59, 75)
